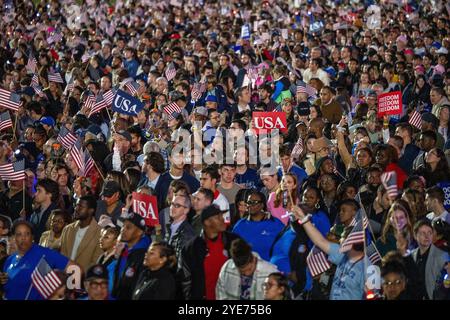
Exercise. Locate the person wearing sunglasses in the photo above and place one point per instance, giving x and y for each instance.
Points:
(260, 228)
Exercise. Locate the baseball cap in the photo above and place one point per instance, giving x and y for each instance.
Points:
(303, 109)
(124, 134)
(109, 188)
(97, 271)
(201, 110)
(135, 219)
(211, 98)
(210, 211)
(48, 121)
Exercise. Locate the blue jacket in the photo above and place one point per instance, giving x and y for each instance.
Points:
(20, 270)
(132, 67)
(406, 160)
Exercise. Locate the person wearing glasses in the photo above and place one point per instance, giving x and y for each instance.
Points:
(276, 287)
(260, 228)
(96, 283)
(394, 281)
(180, 231)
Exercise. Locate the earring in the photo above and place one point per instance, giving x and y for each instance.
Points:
(317, 205)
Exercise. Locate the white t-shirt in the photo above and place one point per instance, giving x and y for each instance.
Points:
(223, 204)
(78, 238)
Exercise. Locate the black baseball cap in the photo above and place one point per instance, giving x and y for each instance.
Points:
(124, 134)
(97, 271)
(109, 188)
(211, 211)
(135, 219)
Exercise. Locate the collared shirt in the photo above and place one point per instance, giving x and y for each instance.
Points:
(444, 216)
(173, 228)
(152, 183)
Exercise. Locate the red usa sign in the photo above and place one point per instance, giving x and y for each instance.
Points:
(146, 206)
(265, 122)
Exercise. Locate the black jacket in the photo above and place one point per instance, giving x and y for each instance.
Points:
(190, 266)
(183, 235)
(125, 279)
(155, 285)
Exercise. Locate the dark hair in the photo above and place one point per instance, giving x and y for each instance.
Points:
(212, 171)
(91, 201)
(436, 193)
(66, 216)
(241, 252)
(429, 134)
(51, 187)
(156, 161)
(282, 281)
(393, 266)
(349, 202)
(22, 222)
(115, 231)
(421, 223)
(260, 195)
(134, 176)
(207, 193)
(241, 124)
(166, 250)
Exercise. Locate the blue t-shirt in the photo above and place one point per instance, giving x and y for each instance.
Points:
(348, 281)
(20, 269)
(260, 235)
(249, 179)
(299, 172)
(280, 254)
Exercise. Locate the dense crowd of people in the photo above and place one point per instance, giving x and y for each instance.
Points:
(341, 204)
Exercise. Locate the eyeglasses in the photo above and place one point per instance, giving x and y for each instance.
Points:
(393, 283)
(268, 285)
(253, 202)
(177, 205)
(96, 284)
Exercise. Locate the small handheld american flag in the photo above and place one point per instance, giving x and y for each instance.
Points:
(66, 138)
(373, 254)
(306, 88)
(172, 108)
(415, 119)
(31, 64)
(5, 120)
(357, 235)
(389, 181)
(88, 163)
(317, 261)
(44, 279)
(55, 77)
(13, 171)
(298, 149)
(171, 72)
(133, 87)
(197, 90)
(77, 154)
(10, 100)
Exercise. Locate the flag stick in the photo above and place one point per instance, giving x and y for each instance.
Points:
(23, 189)
(15, 126)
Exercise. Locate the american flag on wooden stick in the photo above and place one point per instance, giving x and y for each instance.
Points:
(66, 138)
(13, 171)
(88, 163)
(44, 279)
(372, 253)
(317, 261)
(357, 234)
(5, 120)
(90, 101)
(77, 154)
(103, 101)
(10, 100)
